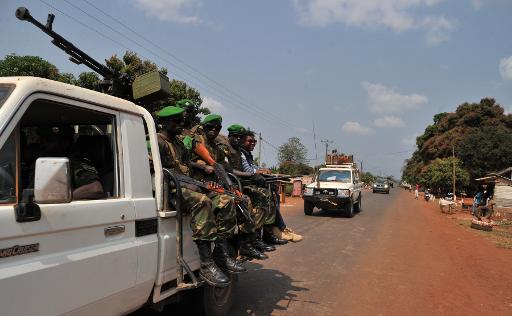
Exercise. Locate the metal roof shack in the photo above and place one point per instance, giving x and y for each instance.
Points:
(502, 186)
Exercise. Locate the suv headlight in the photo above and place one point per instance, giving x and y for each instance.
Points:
(308, 191)
(343, 193)
(386, 186)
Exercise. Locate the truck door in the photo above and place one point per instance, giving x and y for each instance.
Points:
(78, 255)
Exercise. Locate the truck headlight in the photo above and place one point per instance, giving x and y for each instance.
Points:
(386, 186)
(343, 193)
(308, 191)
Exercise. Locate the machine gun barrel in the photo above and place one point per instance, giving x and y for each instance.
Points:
(77, 56)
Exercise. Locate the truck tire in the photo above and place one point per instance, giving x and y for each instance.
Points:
(349, 209)
(357, 207)
(308, 208)
(218, 301)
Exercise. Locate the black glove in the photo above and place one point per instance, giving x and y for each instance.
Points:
(258, 180)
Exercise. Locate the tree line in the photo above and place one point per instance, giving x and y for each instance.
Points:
(291, 155)
(476, 139)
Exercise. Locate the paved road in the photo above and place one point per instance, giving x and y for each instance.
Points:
(306, 278)
(399, 256)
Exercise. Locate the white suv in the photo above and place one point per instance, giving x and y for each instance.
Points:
(334, 187)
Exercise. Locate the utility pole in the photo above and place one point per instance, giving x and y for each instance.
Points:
(361, 162)
(259, 149)
(453, 161)
(326, 142)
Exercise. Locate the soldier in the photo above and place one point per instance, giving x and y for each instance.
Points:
(57, 141)
(202, 209)
(207, 134)
(190, 124)
(260, 196)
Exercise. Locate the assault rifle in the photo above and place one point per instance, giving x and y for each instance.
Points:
(148, 87)
(271, 178)
(216, 187)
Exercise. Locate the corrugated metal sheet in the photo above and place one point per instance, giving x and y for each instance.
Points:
(503, 195)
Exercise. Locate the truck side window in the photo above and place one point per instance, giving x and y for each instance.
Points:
(8, 171)
(86, 137)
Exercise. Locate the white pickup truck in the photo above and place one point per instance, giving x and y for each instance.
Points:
(335, 187)
(108, 256)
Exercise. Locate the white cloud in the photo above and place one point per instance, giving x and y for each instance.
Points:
(506, 68)
(386, 100)
(216, 107)
(389, 122)
(398, 15)
(438, 29)
(356, 128)
(171, 10)
(477, 4)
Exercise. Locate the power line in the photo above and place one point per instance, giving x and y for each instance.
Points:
(217, 83)
(209, 88)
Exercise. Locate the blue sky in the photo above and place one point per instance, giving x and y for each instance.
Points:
(367, 74)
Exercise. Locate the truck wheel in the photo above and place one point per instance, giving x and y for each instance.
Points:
(308, 208)
(357, 207)
(218, 301)
(349, 209)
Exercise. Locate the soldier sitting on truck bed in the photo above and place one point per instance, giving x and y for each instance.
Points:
(206, 134)
(255, 188)
(57, 141)
(202, 207)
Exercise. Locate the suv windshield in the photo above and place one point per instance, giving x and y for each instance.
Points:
(334, 175)
(4, 92)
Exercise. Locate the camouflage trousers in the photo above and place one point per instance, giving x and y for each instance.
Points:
(225, 214)
(212, 214)
(246, 225)
(264, 206)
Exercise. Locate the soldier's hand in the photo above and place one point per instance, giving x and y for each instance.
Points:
(208, 169)
(259, 180)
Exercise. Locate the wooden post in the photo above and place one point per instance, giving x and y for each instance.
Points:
(282, 187)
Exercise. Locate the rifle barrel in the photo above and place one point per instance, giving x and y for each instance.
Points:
(77, 56)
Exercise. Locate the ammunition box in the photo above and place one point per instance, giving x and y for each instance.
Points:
(151, 86)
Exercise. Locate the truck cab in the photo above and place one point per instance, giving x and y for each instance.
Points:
(104, 256)
(335, 187)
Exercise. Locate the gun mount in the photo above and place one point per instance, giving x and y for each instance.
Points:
(148, 87)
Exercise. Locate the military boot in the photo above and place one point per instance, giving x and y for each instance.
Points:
(223, 259)
(260, 245)
(270, 238)
(208, 271)
(248, 250)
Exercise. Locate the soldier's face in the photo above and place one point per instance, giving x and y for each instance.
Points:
(212, 130)
(234, 140)
(174, 126)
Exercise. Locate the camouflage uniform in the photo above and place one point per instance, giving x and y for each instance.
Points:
(82, 171)
(224, 205)
(263, 206)
(174, 155)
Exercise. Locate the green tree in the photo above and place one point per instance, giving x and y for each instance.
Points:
(368, 178)
(439, 175)
(68, 78)
(295, 169)
(486, 149)
(89, 80)
(292, 151)
(14, 65)
(479, 132)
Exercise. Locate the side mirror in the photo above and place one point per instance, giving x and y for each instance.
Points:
(52, 182)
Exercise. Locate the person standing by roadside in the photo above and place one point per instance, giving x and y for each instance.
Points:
(417, 191)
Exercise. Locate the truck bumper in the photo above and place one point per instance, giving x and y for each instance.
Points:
(326, 202)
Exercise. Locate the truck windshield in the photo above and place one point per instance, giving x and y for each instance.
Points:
(4, 92)
(334, 175)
